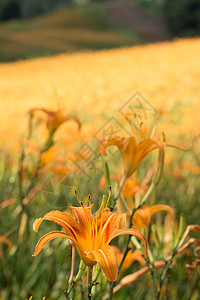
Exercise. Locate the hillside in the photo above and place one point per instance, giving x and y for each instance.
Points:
(101, 25)
(66, 30)
(94, 83)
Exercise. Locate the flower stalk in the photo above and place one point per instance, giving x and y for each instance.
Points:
(81, 271)
(89, 281)
(118, 193)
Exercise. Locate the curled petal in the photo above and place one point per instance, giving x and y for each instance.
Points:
(175, 147)
(117, 141)
(5, 240)
(194, 227)
(36, 224)
(63, 219)
(107, 260)
(131, 232)
(161, 207)
(48, 237)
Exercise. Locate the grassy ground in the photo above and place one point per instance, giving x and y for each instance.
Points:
(66, 30)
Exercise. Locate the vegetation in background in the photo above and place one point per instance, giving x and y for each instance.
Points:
(66, 30)
(182, 17)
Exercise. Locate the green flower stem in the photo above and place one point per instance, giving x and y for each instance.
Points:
(82, 268)
(145, 198)
(175, 251)
(89, 281)
(152, 270)
(127, 249)
(112, 284)
(49, 143)
(164, 273)
(118, 193)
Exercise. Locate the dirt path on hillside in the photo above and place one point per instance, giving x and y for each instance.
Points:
(127, 14)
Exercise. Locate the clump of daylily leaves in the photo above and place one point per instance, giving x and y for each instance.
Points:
(124, 212)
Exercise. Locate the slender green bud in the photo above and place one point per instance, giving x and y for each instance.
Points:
(158, 175)
(156, 236)
(180, 230)
(96, 274)
(172, 237)
(107, 174)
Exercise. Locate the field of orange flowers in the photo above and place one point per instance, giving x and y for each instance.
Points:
(105, 145)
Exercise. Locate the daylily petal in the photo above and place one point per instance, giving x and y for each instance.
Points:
(107, 260)
(83, 215)
(160, 207)
(48, 237)
(5, 240)
(130, 258)
(128, 156)
(142, 216)
(63, 219)
(143, 148)
(113, 223)
(129, 231)
(112, 141)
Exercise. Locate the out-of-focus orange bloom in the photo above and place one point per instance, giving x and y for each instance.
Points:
(90, 234)
(170, 222)
(142, 216)
(184, 244)
(196, 263)
(55, 118)
(48, 156)
(130, 258)
(5, 240)
(129, 279)
(103, 181)
(7, 202)
(194, 168)
(130, 188)
(132, 152)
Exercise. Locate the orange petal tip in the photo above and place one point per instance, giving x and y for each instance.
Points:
(36, 224)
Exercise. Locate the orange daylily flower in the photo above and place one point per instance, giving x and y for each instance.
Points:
(142, 216)
(55, 118)
(132, 152)
(90, 234)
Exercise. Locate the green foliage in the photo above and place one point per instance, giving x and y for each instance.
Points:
(182, 17)
(16, 9)
(11, 10)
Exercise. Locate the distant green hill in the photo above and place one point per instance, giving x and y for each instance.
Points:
(67, 30)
